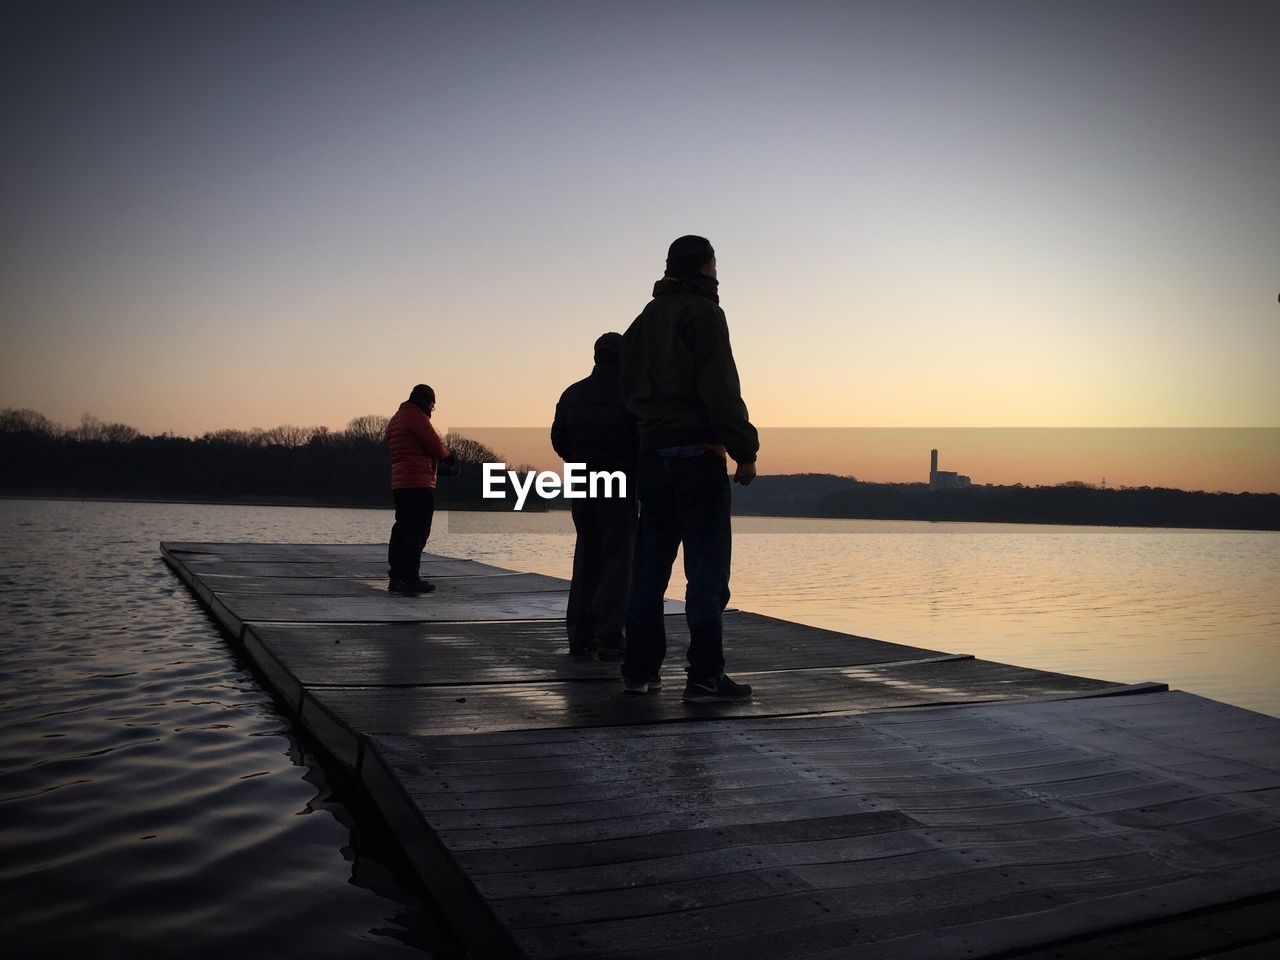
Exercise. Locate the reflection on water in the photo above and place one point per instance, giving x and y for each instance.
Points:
(154, 802)
(1197, 609)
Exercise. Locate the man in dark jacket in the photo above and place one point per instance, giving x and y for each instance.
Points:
(680, 380)
(592, 426)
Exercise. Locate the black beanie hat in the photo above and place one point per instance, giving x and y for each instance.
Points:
(609, 348)
(687, 254)
(422, 395)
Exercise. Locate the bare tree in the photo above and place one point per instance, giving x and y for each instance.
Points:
(287, 435)
(119, 433)
(470, 451)
(93, 430)
(239, 438)
(87, 430)
(371, 428)
(27, 421)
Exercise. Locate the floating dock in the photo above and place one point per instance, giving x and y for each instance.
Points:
(873, 800)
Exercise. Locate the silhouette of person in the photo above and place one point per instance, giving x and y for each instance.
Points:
(592, 426)
(680, 380)
(416, 449)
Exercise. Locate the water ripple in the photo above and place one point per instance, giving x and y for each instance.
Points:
(149, 790)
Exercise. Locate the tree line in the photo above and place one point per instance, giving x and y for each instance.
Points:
(351, 467)
(1071, 503)
(1074, 503)
(283, 464)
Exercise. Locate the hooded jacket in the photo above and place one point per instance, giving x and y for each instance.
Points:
(592, 424)
(678, 373)
(415, 448)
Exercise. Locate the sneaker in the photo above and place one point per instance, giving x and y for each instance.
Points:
(404, 588)
(719, 689)
(586, 652)
(652, 685)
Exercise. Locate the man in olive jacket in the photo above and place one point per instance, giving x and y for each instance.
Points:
(592, 426)
(680, 380)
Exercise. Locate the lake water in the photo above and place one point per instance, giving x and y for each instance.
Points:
(154, 802)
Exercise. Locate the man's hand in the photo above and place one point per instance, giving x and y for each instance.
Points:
(745, 473)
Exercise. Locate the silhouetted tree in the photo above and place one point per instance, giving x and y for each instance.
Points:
(239, 438)
(371, 428)
(27, 421)
(471, 451)
(287, 435)
(93, 430)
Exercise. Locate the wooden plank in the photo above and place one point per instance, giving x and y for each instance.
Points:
(302, 556)
(498, 706)
(591, 904)
(602, 775)
(489, 838)
(831, 864)
(446, 585)
(689, 840)
(387, 608)
(516, 791)
(196, 551)
(373, 568)
(404, 654)
(870, 852)
(727, 793)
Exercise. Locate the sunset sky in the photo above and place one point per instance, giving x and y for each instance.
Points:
(936, 215)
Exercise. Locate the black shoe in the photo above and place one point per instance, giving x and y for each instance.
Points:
(587, 652)
(425, 586)
(716, 690)
(404, 588)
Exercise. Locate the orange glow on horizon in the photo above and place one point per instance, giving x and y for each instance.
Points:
(1232, 460)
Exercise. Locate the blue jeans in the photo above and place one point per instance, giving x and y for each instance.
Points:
(683, 500)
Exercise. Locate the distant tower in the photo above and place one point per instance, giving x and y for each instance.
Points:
(933, 467)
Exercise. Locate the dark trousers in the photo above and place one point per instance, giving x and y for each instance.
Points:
(683, 500)
(601, 569)
(414, 509)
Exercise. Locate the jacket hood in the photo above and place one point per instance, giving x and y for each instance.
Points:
(698, 285)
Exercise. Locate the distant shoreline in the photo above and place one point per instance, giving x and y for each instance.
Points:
(75, 496)
(205, 501)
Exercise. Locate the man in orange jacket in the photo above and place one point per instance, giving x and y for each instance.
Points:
(415, 449)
